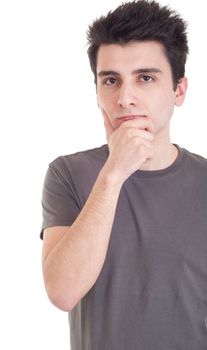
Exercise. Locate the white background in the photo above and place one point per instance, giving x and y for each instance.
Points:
(48, 108)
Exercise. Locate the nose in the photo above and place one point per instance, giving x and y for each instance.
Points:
(127, 96)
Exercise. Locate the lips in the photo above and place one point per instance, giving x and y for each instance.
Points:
(130, 117)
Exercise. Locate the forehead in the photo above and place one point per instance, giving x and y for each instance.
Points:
(133, 55)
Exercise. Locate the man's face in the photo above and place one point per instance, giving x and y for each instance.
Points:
(136, 80)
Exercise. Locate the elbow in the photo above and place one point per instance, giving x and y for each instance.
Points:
(58, 293)
(61, 300)
(61, 294)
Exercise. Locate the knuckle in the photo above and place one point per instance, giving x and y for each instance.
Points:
(148, 136)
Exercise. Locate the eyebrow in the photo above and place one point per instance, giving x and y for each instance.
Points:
(104, 73)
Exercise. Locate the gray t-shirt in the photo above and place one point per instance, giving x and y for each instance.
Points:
(152, 291)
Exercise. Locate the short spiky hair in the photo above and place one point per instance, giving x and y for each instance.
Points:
(142, 20)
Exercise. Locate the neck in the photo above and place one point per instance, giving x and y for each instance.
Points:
(165, 153)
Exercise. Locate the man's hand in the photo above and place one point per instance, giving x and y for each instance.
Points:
(130, 145)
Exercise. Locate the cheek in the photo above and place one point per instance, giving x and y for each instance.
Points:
(106, 102)
(100, 99)
(106, 108)
(162, 105)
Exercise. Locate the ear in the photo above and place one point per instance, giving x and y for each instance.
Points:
(181, 91)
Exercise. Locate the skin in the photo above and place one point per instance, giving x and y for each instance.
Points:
(136, 80)
(72, 257)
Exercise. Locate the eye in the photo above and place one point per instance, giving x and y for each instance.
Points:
(146, 78)
(110, 81)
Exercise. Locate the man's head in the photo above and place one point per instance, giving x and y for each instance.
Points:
(137, 21)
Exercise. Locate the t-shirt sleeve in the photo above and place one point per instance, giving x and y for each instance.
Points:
(59, 200)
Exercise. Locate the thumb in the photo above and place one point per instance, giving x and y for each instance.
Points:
(108, 126)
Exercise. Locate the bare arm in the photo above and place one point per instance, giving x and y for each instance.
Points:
(72, 265)
(73, 257)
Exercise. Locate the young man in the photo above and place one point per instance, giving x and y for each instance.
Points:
(125, 225)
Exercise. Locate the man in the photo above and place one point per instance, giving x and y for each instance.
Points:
(125, 224)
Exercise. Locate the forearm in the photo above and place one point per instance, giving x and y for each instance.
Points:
(74, 264)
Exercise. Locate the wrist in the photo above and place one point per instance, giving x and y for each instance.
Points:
(111, 177)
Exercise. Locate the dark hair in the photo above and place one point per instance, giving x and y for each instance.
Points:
(142, 20)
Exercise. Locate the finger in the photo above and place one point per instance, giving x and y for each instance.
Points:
(144, 134)
(108, 126)
(144, 123)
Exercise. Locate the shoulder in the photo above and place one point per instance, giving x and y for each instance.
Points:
(87, 163)
(196, 164)
(82, 158)
(196, 159)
